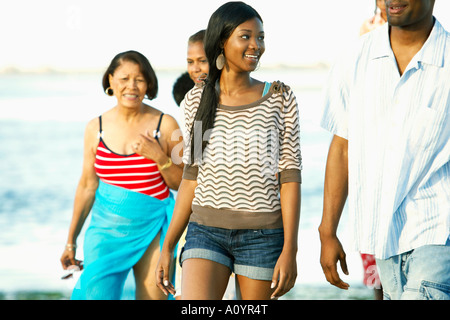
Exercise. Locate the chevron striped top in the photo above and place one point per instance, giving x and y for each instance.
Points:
(252, 149)
(132, 172)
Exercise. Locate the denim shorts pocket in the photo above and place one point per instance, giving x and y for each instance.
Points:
(272, 232)
(435, 291)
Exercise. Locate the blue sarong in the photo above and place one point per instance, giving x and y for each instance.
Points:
(123, 224)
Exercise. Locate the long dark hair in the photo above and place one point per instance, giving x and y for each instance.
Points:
(220, 27)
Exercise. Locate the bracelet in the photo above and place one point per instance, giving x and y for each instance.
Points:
(167, 164)
(70, 247)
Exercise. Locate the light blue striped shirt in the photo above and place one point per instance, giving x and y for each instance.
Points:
(398, 134)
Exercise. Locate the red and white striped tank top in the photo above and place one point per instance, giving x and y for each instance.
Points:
(132, 172)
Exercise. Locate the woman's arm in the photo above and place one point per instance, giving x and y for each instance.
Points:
(180, 219)
(85, 194)
(289, 167)
(285, 272)
(174, 141)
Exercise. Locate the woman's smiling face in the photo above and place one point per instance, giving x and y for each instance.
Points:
(197, 63)
(245, 46)
(129, 84)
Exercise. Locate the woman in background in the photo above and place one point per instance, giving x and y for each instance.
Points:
(377, 20)
(197, 63)
(197, 67)
(125, 181)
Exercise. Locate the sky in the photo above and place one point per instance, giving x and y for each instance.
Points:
(87, 34)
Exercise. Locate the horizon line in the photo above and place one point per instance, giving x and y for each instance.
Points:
(12, 69)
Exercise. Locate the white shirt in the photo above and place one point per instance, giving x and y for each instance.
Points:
(398, 134)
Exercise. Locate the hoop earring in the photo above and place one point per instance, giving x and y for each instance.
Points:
(220, 61)
(109, 91)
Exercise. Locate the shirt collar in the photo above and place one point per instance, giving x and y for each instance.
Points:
(432, 52)
(381, 43)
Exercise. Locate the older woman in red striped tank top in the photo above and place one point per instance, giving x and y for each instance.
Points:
(127, 173)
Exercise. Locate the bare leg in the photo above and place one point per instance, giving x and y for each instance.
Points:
(251, 289)
(204, 280)
(144, 273)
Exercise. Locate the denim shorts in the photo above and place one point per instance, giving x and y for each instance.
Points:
(420, 274)
(252, 253)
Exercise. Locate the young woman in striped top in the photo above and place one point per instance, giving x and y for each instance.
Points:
(125, 182)
(240, 192)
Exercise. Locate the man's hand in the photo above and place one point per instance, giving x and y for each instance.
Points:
(330, 253)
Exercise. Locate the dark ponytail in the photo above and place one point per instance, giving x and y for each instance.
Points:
(220, 27)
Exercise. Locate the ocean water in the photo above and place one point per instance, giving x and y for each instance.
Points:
(42, 121)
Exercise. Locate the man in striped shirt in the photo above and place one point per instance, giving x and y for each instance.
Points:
(387, 104)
